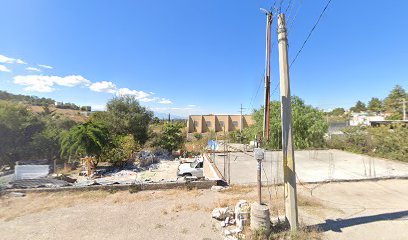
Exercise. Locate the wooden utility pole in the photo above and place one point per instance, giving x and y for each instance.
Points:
(291, 210)
(267, 77)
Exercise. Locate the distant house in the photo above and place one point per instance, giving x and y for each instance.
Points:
(364, 118)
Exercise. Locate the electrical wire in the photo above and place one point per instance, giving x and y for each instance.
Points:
(310, 33)
(294, 17)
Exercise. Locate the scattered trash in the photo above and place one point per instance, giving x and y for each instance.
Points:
(218, 188)
(222, 213)
(84, 183)
(17, 194)
(232, 231)
(124, 173)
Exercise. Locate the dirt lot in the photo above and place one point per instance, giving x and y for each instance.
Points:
(363, 210)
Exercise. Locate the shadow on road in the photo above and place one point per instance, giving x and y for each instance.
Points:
(338, 224)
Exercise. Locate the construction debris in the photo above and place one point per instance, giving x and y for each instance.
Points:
(218, 188)
(242, 213)
(39, 182)
(222, 213)
(146, 158)
(17, 194)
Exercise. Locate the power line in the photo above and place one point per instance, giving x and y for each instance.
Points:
(254, 96)
(280, 4)
(294, 17)
(287, 8)
(310, 33)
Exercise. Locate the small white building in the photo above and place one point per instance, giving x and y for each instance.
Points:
(363, 118)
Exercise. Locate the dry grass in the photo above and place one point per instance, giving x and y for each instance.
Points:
(303, 233)
(193, 207)
(12, 208)
(177, 208)
(157, 226)
(38, 202)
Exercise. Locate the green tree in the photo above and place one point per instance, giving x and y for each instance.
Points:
(375, 105)
(359, 107)
(120, 149)
(86, 139)
(392, 103)
(309, 125)
(171, 137)
(337, 112)
(46, 144)
(125, 116)
(18, 126)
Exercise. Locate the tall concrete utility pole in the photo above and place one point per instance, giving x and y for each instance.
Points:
(267, 76)
(289, 178)
(241, 123)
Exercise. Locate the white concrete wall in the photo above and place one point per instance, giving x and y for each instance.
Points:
(31, 171)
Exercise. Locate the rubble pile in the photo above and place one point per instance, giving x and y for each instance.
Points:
(233, 220)
(146, 158)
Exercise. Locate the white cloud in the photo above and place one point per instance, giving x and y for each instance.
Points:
(165, 101)
(4, 59)
(104, 86)
(134, 93)
(4, 69)
(39, 83)
(45, 66)
(72, 81)
(33, 69)
(148, 99)
(191, 105)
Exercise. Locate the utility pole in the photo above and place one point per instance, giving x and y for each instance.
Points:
(267, 76)
(291, 210)
(240, 124)
(404, 111)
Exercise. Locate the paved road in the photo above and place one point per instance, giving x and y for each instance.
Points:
(360, 210)
(312, 166)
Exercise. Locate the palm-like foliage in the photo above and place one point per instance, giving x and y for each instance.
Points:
(85, 139)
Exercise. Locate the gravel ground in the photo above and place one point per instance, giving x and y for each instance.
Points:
(353, 210)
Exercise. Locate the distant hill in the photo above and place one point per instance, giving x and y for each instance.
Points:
(37, 105)
(32, 100)
(70, 110)
(165, 116)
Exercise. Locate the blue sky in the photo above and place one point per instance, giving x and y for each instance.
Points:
(199, 57)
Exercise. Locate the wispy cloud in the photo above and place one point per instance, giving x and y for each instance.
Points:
(191, 105)
(4, 69)
(104, 86)
(148, 99)
(134, 93)
(165, 101)
(39, 83)
(4, 59)
(45, 66)
(33, 69)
